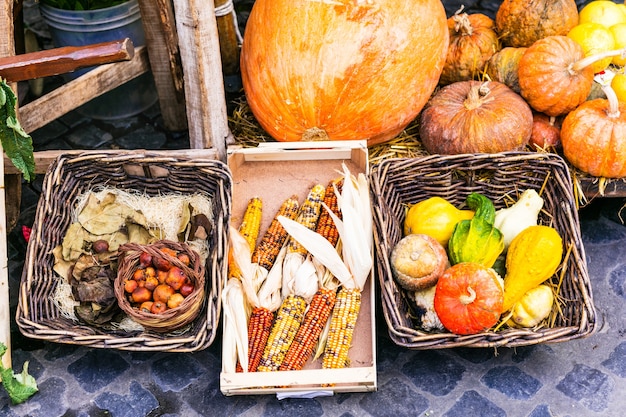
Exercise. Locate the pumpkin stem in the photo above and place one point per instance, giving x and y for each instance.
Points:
(462, 23)
(613, 111)
(477, 96)
(585, 62)
(466, 299)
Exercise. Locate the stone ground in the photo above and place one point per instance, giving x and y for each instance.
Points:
(579, 378)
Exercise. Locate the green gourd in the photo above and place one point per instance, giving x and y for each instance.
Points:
(476, 240)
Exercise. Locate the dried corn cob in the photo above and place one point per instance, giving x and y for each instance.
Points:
(342, 325)
(308, 216)
(275, 236)
(259, 328)
(324, 299)
(325, 225)
(288, 320)
(315, 319)
(249, 229)
(251, 222)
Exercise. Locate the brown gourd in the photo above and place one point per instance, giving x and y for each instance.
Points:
(473, 40)
(523, 22)
(502, 67)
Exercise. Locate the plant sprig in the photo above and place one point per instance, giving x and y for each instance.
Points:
(17, 144)
(20, 387)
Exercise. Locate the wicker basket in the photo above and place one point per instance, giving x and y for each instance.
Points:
(71, 176)
(397, 183)
(173, 318)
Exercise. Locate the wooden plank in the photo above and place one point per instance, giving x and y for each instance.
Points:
(69, 96)
(198, 40)
(7, 48)
(62, 60)
(43, 159)
(159, 27)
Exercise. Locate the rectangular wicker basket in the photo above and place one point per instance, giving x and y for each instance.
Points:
(71, 176)
(398, 183)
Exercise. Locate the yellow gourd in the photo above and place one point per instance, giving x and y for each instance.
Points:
(533, 307)
(435, 217)
(533, 257)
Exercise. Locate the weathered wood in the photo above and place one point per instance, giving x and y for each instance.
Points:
(69, 96)
(43, 159)
(63, 60)
(229, 36)
(198, 40)
(162, 42)
(7, 48)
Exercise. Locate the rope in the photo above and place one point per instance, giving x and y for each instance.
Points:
(226, 9)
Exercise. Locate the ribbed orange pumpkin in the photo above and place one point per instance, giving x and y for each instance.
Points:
(341, 70)
(550, 77)
(594, 137)
(475, 117)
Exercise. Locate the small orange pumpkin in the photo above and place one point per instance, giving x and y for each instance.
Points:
(473, 40)
(475, 117)
(523, 22)
(468, 298)
(594, 136)
(341, 70)
(551, 77)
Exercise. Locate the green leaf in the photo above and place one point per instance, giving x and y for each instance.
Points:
(20, 387)
(17, 144)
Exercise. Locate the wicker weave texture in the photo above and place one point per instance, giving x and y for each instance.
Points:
(399, 183)
(69, 177)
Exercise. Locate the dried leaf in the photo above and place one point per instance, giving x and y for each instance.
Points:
(139, 234)
(73, 242)
(106, 216)
(61, 266)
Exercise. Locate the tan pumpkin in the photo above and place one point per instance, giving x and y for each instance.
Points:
(475, 117)
(594, 136)
(341, 70)
(521, 23)
(473, 40)
(503, 65)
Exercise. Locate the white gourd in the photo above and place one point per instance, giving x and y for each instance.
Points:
(524, 213)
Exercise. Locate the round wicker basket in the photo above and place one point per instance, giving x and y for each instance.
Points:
(173, 318)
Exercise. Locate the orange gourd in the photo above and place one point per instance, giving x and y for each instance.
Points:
(341, 70)
(468, 298)
(594, 136)
(475, 117)
(473, 41)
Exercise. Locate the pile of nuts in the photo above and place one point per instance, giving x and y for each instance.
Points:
(157, 285)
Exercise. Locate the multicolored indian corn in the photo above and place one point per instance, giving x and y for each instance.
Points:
(308, 216)
(322, 302)
(249, 229)
(342, 325)
(288, 320)
(267, 250)
(259, 328)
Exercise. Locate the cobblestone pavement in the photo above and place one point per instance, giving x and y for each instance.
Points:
(583, 377)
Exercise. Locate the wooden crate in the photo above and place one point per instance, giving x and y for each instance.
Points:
(274, 172)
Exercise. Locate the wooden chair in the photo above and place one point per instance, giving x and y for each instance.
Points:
(184, 54)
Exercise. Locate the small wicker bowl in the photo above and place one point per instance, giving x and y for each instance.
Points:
(170, 319)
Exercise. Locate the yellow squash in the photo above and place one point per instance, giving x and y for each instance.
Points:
(435, 217)
(533, 257)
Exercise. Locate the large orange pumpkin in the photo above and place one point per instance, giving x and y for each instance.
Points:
(341, 70)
